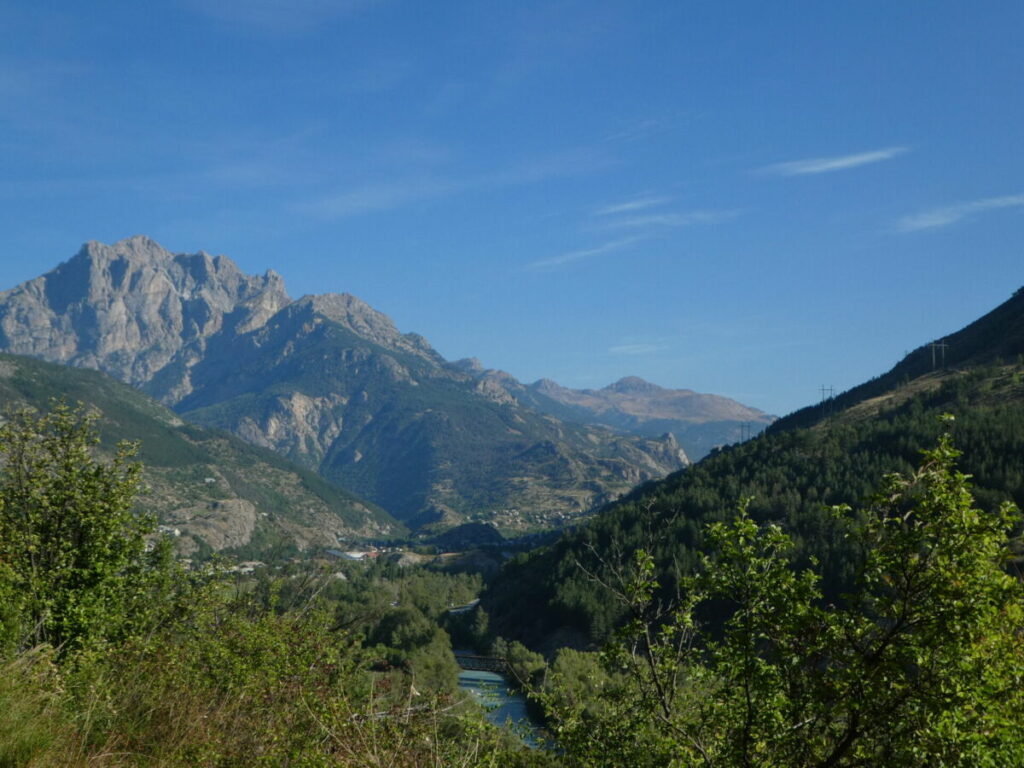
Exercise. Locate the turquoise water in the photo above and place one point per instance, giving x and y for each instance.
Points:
(505, 707)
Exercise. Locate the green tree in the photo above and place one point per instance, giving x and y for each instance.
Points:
(920, 666)
(72, 548)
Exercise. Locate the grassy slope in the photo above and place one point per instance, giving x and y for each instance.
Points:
(179, 457)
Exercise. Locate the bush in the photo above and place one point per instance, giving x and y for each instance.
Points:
(75, 566)
(918, 667)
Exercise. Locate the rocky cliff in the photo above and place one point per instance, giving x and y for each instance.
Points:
(326, 381)
(136, 311)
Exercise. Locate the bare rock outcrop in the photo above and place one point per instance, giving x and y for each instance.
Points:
(360, 318)
(136, 311)
(222, 524)
(326, 381)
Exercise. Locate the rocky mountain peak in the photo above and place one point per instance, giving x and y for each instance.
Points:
(326, 380)
(547, 386)
(633, 385)
(134, 309)
(360, 318)
(137, 247)
(350, 311)
(470, 365)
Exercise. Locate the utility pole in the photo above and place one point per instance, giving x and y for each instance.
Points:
(942, 346)
(827, 393)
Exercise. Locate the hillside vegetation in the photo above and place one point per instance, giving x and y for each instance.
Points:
(112, 654)
(219, 492)
(546, 598)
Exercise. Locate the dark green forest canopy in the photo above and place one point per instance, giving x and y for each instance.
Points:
(549, 597)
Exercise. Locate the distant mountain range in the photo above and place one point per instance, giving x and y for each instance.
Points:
(329, 383)
(699, 422)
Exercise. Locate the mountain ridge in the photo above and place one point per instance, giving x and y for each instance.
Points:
(136, 311)
(998, 333)
(325, 380)
(699, 422)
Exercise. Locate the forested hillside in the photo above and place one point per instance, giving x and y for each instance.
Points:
(995, 338)
(550, 597)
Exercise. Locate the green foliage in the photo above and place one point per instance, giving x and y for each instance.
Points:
(398, 613)
(793, 478)
(919, 667)
(72, 546)
(525, 666)
(32, 721)
(231, 683)
(580, 682)
(116, 656)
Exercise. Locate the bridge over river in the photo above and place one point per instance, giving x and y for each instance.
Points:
(487, 679)
(482, 663)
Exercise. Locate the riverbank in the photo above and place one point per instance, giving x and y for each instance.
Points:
(506, 707)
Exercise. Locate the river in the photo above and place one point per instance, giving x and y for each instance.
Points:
(505, 707)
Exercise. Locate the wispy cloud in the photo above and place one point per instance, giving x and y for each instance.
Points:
(943, 217)
(637, 214)
(817, 165)
(585, 253)
(641, 129)
(631, 206)
(636, 349)
(681, 219)
(378, 197)
(382, 196)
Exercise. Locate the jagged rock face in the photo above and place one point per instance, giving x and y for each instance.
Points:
(296, 425)
(223, 524)
(135, 311)
(364, 321)
(327, 381)
(421, 438)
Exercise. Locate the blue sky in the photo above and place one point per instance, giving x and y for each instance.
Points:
(747, 198)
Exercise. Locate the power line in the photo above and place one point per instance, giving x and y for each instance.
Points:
(942, 346)
(827, 396)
